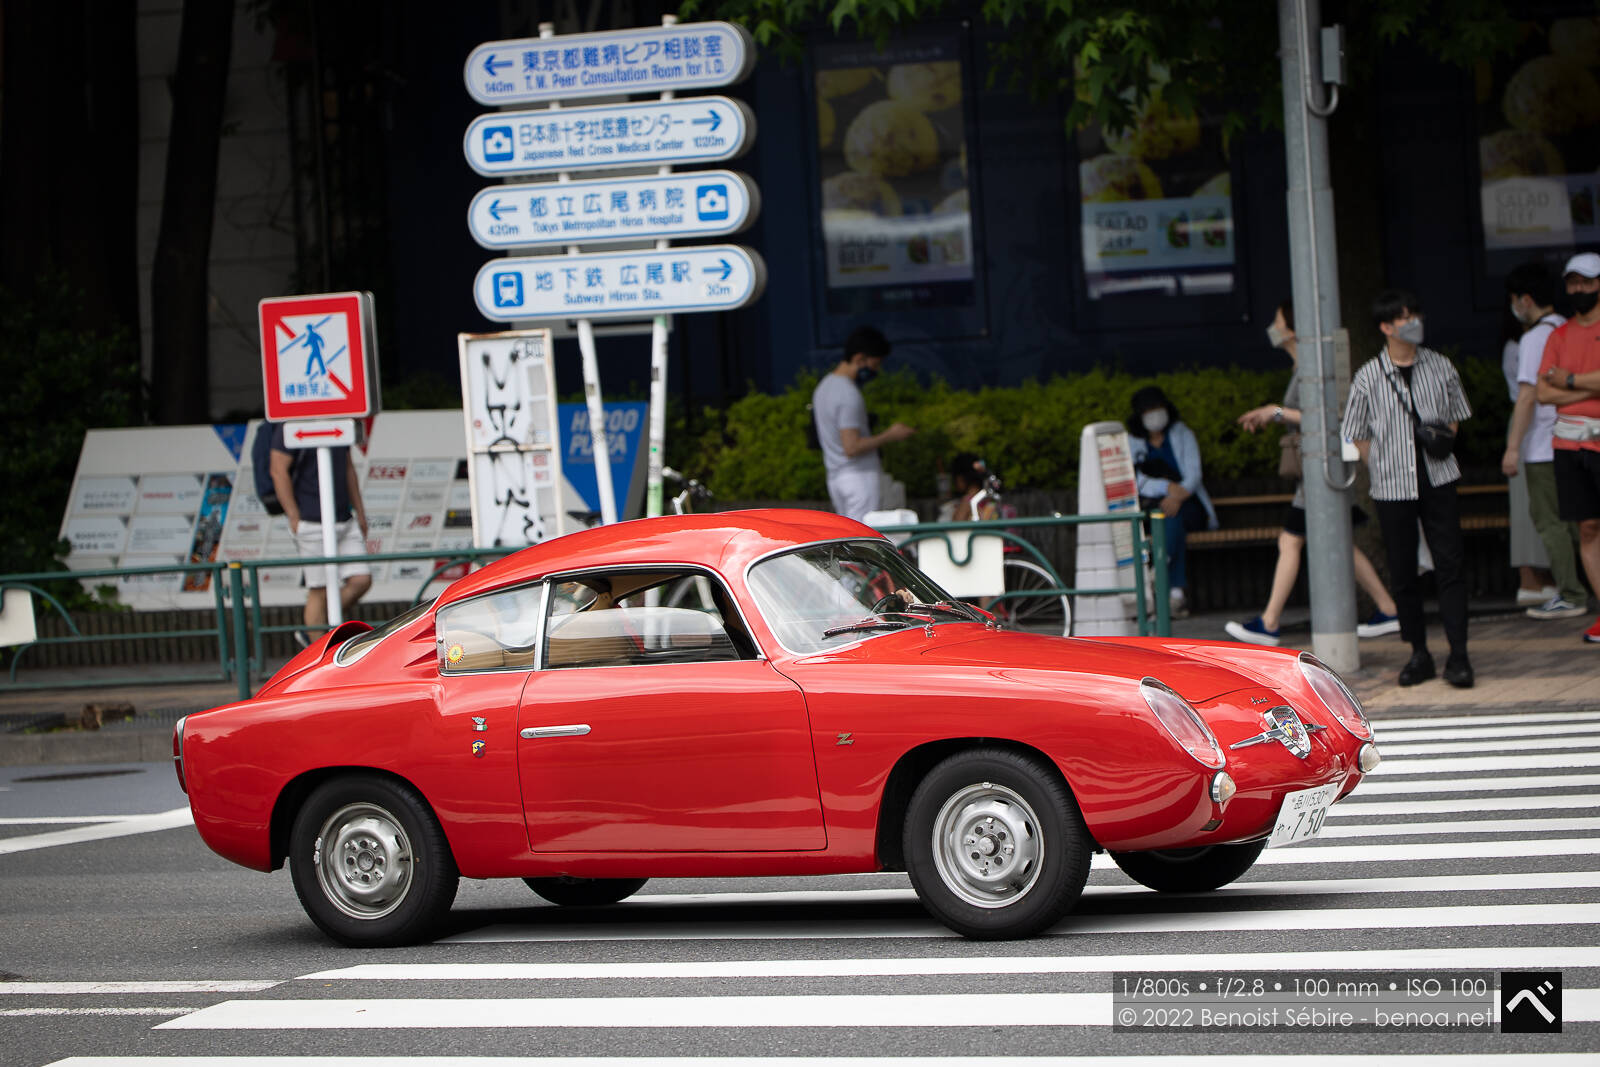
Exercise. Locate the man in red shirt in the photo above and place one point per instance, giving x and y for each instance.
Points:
(1569, 377)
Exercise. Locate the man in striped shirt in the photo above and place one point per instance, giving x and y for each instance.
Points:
(1407, 385)
(1569, 378)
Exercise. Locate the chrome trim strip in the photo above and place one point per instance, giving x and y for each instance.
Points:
(575, 730)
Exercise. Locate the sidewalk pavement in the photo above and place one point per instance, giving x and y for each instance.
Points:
(1522, 665)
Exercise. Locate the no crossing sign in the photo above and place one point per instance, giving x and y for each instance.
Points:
(317, 356)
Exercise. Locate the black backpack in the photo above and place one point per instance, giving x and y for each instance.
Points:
(261, 463)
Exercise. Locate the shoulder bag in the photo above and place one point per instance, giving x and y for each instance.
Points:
(1435, 438)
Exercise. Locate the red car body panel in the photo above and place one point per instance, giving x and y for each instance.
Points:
(755, 766)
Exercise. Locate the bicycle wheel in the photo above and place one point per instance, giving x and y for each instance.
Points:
(1034, 614)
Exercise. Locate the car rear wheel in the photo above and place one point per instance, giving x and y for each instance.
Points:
(1190, 870)
(580, 891)
(995, 845)
(370, 863)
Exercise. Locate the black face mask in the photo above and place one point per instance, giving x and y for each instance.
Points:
(1583, 303)
(865, 375)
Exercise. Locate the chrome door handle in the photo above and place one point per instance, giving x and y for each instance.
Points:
(575, 730)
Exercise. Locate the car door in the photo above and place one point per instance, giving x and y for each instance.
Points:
(649, 730)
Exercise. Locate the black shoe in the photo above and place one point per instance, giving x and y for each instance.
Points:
(1458, 672)
(1419, 669)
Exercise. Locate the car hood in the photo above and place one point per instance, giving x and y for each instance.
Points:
(1196, 680)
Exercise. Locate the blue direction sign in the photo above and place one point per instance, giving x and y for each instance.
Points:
(615, 285)
(698, 55)
(704, 129)
(702, 203)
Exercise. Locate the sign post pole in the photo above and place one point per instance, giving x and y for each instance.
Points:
(658, 372)
(330, 540)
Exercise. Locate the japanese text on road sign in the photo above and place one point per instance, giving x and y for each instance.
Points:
(315, 353)
(705, 129)
(700, 55)
(698, 204)
(620, 284)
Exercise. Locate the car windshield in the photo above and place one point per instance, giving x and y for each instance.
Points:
(829, 595)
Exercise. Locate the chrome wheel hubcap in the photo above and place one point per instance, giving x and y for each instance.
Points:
(986, 845)
(363, 861)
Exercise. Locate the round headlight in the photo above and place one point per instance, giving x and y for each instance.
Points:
(1185, 725)
(1335, 696)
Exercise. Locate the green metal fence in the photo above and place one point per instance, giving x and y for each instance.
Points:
(238, 627)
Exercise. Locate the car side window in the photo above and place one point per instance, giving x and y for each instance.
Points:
(609, 620)
(489, 633)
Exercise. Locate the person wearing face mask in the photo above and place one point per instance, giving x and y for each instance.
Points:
(1400, 399)
(849, 450)
(1263, 629)
(1569, 378)
(1529, 458)
(1166, 463)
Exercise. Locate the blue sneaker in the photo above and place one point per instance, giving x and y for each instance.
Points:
(1254, 632)
(1378, 625)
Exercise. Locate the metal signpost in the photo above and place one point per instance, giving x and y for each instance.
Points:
(318, 361)
(582, 285)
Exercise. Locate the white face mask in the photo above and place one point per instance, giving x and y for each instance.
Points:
(1516, 313)
(1155, 420)
(1278, 337)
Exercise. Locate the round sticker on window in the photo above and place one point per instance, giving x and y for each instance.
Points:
(454, 653)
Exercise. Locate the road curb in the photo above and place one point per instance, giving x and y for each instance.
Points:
(143, 745)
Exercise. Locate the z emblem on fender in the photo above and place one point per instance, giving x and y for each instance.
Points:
(844, 739)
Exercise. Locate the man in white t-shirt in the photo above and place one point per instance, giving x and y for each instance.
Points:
(1532, 292)
(849, 451)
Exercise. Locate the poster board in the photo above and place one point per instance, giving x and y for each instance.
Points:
(1106, 485)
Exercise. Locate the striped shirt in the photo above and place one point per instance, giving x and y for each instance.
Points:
(1380, 411)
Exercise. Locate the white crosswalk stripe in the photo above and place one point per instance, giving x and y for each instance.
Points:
(1514, 794)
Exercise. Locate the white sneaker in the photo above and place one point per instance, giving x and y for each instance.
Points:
(1538, 597)
(1557, 608)
(1177, 605)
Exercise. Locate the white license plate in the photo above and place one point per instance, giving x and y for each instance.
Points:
(1302, 814)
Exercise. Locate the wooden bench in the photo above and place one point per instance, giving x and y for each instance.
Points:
(1245, 535)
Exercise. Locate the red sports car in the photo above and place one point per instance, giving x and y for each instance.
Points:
(755, 693)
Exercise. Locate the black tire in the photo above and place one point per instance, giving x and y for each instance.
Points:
(370, 863)
(576, 892)
(1031, 856)
(1190, 870)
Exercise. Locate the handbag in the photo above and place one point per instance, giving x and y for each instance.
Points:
(1435, 438)
(1289, 457)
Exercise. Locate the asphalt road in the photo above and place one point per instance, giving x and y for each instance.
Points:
(1474, 849)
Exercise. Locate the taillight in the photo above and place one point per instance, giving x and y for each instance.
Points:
(1183, 723)
(177, 754)
(1336, 697)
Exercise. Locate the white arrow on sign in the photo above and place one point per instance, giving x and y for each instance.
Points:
(615, 285)
(706, 129)
(702, 203)
(652, 59)
(319, 433)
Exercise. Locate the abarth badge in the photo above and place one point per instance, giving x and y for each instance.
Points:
(477, 748)
(1283, 725)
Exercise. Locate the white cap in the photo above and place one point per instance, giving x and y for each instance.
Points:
(1584, 263)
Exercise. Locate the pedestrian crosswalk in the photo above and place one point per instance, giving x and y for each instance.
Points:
(1475, 847)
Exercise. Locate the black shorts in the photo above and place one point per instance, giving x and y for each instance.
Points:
(1294, 519)
(1578, 483)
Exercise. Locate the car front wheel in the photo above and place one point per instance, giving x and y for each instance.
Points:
(581, 891)
(1190, 870)
(995, 845)
(370, 863)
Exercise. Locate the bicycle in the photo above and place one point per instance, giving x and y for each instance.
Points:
(1023, 606)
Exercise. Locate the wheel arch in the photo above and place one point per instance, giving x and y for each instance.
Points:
(914, 765)
(294, 794)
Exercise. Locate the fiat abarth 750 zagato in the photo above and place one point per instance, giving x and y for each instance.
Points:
(755, 693)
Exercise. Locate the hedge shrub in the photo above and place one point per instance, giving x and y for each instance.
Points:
(756, 448)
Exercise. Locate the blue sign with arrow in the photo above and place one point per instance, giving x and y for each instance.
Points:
(705, 129)
(702, 203)
(619, 285)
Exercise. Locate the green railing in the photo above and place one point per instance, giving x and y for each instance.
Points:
(239, 628)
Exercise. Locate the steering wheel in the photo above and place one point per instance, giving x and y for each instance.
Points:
(891, 602)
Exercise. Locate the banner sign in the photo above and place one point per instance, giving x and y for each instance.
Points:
(653, 59)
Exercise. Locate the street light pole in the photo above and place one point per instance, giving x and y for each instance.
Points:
(1313, 257)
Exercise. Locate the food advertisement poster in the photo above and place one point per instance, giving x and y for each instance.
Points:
(1157, 205)
(1539, 138)
(893, 155)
